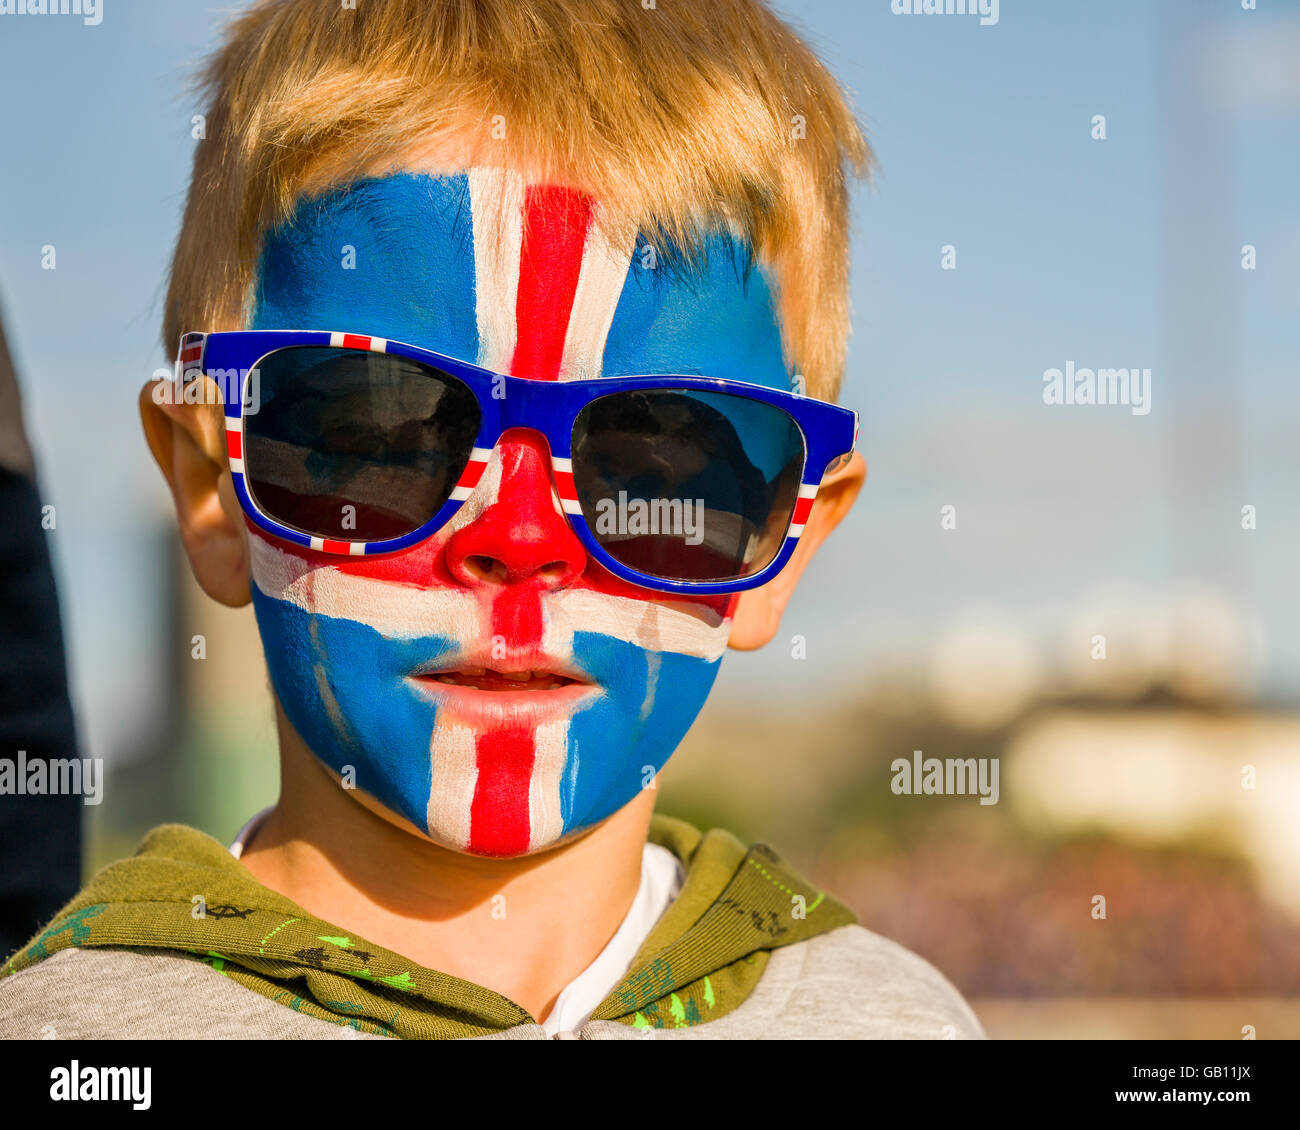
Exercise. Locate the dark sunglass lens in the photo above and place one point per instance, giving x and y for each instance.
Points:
(685, 485)
(353, 445)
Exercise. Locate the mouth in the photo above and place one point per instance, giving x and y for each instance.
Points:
(511, 693)
(502, 682)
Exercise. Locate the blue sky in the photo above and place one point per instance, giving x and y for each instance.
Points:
(1123, 252)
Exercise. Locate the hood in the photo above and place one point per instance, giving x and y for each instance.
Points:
(183, 891)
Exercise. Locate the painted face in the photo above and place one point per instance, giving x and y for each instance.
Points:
(493, 686)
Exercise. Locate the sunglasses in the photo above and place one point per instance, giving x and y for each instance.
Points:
(356, 445)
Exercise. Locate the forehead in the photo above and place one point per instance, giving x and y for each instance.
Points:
(521, 279)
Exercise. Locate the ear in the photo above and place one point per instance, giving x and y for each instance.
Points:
(188, 444)
(758, 612)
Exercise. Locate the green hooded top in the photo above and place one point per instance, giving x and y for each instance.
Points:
(700, 961)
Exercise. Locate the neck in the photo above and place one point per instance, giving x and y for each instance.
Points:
(523, 927)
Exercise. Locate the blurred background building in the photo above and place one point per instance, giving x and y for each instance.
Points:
(1158, 768)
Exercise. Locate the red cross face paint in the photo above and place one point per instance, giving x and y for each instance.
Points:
(493, 686)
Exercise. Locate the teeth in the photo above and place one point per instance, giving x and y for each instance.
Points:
(517, 676)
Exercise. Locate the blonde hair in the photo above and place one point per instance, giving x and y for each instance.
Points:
(677, 116)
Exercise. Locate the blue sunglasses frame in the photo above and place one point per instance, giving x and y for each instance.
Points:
(228, 359)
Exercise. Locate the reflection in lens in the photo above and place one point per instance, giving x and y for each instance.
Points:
(355, 445)
(687, 485)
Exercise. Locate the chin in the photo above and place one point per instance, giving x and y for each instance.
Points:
(484, 846)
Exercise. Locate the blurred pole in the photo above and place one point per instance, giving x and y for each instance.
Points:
(40, 836)
(1201, 257)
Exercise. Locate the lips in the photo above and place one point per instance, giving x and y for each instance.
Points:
(521, 674)
(518, 691)
(504, 682)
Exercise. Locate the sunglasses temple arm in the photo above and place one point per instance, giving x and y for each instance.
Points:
(841, 461)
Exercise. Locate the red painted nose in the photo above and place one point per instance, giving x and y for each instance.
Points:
(520, 536)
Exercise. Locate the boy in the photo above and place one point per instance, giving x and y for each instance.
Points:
(505, 303)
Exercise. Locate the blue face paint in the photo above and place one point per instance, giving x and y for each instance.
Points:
(391, 258)
(716, 319)
(615, 741)
(343, 687)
